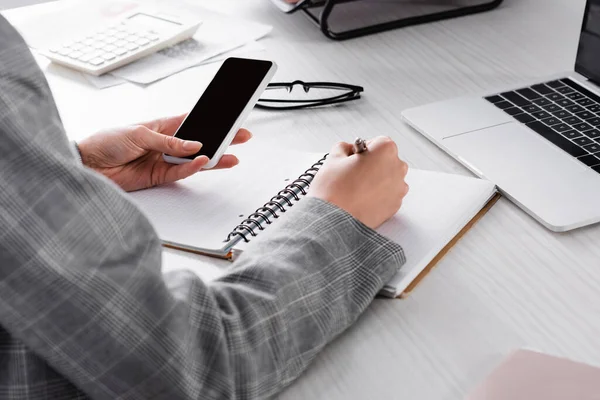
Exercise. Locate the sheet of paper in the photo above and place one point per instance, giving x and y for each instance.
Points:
(216, 36)
(247, 49)
(103, 81)
(108, 80)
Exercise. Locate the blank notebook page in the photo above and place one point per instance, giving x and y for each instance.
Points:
(435, 210)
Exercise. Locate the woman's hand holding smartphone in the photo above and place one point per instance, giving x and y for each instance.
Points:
(223, 107)
(132, 156)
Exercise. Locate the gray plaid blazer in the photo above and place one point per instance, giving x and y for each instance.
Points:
(85, 311)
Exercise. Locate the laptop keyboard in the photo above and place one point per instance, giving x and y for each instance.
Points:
(561, 111)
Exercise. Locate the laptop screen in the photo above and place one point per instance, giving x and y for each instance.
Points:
(588, 54)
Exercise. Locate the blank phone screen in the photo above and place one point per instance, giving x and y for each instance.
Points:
(222, 103)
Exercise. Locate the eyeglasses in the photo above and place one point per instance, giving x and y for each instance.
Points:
(281, 96)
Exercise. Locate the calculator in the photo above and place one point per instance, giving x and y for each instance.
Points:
(130, 38)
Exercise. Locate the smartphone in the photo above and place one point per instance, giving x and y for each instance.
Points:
(223, 107)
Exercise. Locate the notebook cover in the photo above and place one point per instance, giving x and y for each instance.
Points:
(449, 246)
(226, 256)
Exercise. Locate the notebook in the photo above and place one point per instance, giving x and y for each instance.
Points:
(218, 212)
(528, 375)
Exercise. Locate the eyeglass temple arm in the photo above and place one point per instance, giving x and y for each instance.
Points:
(330, 85)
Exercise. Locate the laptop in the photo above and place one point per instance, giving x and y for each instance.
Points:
(529, 375)
(540, 144)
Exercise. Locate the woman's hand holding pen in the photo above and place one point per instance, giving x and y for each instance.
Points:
(369, 186)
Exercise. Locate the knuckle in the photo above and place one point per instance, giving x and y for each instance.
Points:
(403, 168)
(402, 191)
(390, 146)
(170, 142)
(139, 131)
(338, 149)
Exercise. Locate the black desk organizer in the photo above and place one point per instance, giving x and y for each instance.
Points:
(322, 18)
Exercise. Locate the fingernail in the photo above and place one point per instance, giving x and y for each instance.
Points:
(191, 145)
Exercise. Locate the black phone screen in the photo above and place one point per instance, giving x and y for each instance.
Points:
(222, 103)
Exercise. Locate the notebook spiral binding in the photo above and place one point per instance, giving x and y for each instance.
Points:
(278, 203)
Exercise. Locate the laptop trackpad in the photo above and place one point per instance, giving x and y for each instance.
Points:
(531, 171)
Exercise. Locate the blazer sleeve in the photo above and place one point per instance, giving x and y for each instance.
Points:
(81, 283)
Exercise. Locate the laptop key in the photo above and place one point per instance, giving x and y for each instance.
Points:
(555, 96)
(565, 103)
(582, 127)
(552, 108)
(585, 102)
(575, 96)
(543, 89)
(575, 109)
(541, 114)
(529, 94)
(555, 84)
(561, 128)
(494, 99)
(593, 148)
(503, 104)
(564, 89)
(572, 134)
(583, 141)
(562, 114)
(532, 108)
(596, 168)
(515, 98)
(542, 101)
(572, 120)
(551, 121)
(593, 134)
(585, 115)
(513, 110)
(594, 121)
(524, 118)
(594, 107)
(558, 140)
(589, 160)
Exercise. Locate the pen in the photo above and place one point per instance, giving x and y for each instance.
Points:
(360, 145)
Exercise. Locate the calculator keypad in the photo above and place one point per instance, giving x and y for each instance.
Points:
(107, 45)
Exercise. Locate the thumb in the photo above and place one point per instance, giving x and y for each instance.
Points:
(153, 141)
(166, 126)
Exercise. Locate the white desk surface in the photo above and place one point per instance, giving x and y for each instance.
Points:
(508, 284)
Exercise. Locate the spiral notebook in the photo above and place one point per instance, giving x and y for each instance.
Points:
(218, 212)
